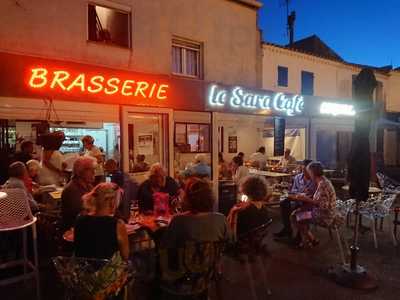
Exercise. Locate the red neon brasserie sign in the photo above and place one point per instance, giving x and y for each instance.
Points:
(69, 82)
(34, 77)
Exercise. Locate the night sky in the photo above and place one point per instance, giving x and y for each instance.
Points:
(360, 31)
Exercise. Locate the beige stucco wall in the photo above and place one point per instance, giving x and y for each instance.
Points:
(58, 29)
(393, 99)
(331, 79)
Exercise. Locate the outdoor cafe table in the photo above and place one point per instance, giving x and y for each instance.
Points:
(149, 222)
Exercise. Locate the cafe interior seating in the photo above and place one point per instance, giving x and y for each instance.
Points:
(16, 215)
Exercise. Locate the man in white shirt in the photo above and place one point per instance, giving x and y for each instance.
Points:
(259, 159)
(287, 159)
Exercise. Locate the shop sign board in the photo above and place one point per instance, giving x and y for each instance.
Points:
(35, 77)
(337, 109)
(240, 99)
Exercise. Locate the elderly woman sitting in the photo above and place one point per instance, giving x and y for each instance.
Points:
(99, 234)
(320, 208)
(251, 212)
(198, 223)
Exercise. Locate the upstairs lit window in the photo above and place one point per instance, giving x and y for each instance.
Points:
(109, 25)
(186, 58)
(282, 76)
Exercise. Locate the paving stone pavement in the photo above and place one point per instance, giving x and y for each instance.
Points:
(292, 274)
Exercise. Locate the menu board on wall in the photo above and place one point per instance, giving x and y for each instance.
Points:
(232, 144)
(279, 136)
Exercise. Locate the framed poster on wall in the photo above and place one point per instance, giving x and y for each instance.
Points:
(232, 144)
(145, 144)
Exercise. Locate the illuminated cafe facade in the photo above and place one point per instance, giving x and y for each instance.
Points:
(166, 118)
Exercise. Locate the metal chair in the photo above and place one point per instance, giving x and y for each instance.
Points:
(387, 184)
(90, 278)
(189, 270)
(16, 215)
(396, 222)
(251, 248)
(378, 208)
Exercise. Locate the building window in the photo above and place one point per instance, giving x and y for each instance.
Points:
(192, 137)
(109, 25)
(353, 86)
(282, 76)
(186, 58)
(307, 83)
(379, 96)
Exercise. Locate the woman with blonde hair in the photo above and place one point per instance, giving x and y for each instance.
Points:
(99, 234)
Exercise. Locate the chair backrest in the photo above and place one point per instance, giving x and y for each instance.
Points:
(188, 270)
(388, 201)
(388, 184)
(88, 278)
(344, 207)
(252, 242)
(14, 209)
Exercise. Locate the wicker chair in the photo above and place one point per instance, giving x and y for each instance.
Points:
(90, 278)
(188, 271)
(16, 215)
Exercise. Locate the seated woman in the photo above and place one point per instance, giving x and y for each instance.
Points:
(251, 213)
(99, 234)
(320, 208)
(198, 223)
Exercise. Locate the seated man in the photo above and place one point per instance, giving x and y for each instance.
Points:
(199, 169)
(140, 165)
(302, 183)
(286, 159)
(18, 179)
(83, 177)
(158, 182)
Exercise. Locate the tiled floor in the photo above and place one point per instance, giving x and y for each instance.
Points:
(292, 274)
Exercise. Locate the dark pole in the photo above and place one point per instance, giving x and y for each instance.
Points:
(359, 168)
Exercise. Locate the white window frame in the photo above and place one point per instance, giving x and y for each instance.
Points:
(185, 45)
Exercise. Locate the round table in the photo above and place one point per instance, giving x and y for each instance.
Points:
(3, 195)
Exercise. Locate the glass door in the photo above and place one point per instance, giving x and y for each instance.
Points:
(145, 141)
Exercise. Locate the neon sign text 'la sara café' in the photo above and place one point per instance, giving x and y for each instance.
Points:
(62, 80)
(239, 98)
